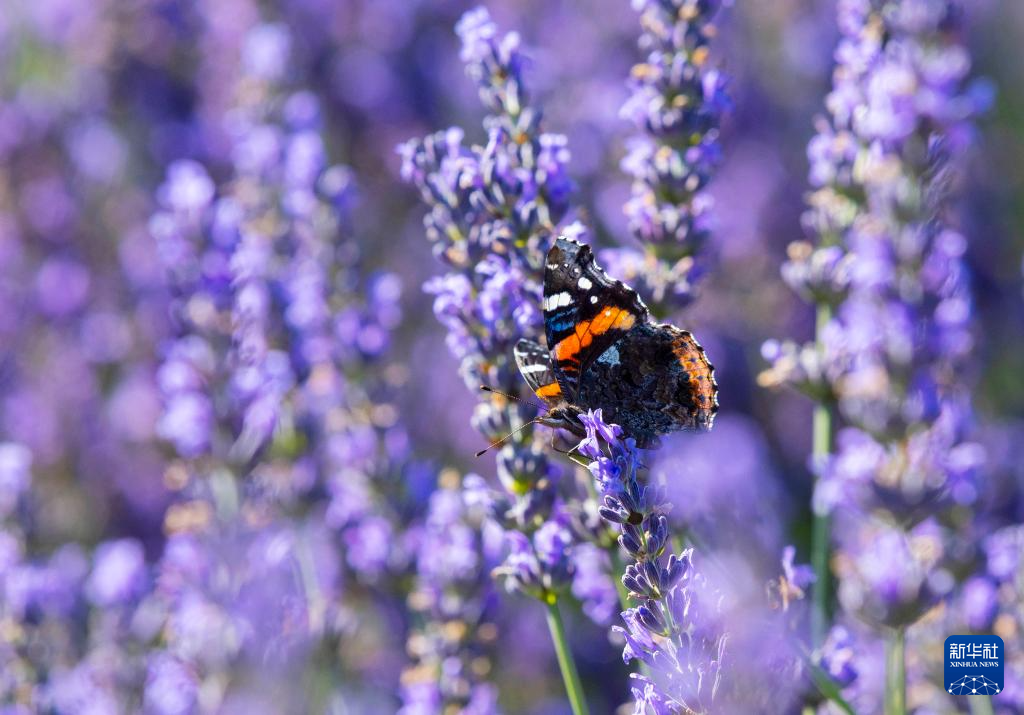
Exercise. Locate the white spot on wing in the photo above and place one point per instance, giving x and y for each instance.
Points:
(593, 299)
(584, 283)
(558, 300)
(527, 369)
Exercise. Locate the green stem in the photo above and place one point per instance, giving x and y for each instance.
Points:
(573, 687)
(821, 448)
(896, 673)
(980, 705)
(819, 561)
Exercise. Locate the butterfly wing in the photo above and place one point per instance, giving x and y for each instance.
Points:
(585, 311)
(700, 398)
(534, 361)
(656, 380)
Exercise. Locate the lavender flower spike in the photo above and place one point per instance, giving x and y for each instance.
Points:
(673, 629)
(493, 211)
(677, 100)
(891, 360)
(452, 595)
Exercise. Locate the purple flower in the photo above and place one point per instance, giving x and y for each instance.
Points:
(266, 51)
(189, 188)
(979, 603)
(682, 654)
(276, 398)
(118, 573)
(492, 212)
(495, 62)
(677, 99)
(552, 543)
(452, 594)
(369, 545)
(62, 287)
(171, 686)
(684, 660)
(837, 656)
(522, 570)
(87, 688)
(187, 420)
(884, 572)
(52, 587)
(597, 432)
(887, 273)
(800, 575)
(1004, 550)
(202, 631)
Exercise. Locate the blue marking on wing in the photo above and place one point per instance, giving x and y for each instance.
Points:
(558, 326)
(561, 319)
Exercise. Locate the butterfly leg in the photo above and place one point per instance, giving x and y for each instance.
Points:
(570, 453)
(554, 446)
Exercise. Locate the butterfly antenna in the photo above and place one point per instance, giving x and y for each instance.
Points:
(485, 388)
(503, 439)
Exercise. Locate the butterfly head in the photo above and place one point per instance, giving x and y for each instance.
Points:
(564, 416)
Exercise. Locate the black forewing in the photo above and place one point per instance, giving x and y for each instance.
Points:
(585, 311)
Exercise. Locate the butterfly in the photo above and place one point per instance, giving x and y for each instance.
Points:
(603, 351)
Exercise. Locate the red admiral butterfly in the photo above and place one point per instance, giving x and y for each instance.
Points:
(603, 351)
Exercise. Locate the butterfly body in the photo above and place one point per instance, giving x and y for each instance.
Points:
(604, 352)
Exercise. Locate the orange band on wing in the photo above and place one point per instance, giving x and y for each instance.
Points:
(608, 319)
(550, 390)
(611, 319)
(568, 348)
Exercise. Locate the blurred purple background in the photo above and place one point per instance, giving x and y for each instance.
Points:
(139, 576)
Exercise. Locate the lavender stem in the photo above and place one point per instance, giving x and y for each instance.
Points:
(896, 672)
(571, 677)
(981, 705)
